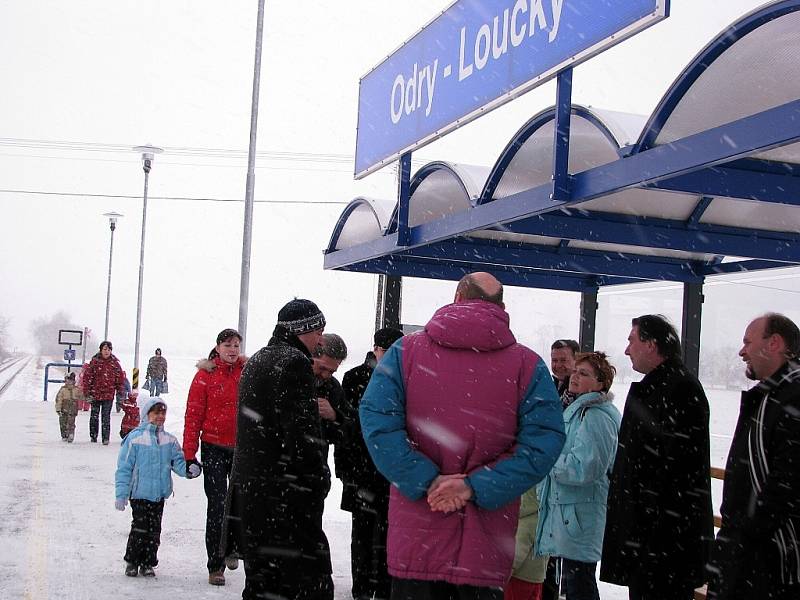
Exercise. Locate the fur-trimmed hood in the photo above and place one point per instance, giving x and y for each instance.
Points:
(209, 364)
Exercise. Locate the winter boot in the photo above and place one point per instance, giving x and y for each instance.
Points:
(231, 563)
(217, 577)
(105, 442)
(147, 571)
(131, 570)
(71, 438)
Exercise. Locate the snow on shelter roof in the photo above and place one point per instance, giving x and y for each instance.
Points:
(711, 185)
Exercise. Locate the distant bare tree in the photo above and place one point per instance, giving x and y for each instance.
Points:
(4, 349)
(45, 333)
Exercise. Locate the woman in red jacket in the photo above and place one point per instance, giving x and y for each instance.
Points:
(210, 423)
(102, 379)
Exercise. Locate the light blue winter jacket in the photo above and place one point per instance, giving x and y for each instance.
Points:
(146, 460)
(572, 514)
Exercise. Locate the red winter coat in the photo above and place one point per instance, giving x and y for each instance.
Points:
(131, 419)
(212, 405)
(103, 378)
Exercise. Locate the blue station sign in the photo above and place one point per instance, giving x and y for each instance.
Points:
(476, 56)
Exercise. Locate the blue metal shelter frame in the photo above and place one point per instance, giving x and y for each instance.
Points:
(550, 236)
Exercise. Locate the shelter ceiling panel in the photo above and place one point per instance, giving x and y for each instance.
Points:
(753, 215)
(758, 72)
(532, 163)
(361, 224)
(440, 193)
(644, 203)
(785, 154)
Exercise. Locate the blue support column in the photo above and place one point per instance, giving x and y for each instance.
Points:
(403, 197)
(561, 187)
(690, 325)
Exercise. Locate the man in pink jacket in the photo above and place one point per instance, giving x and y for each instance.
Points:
(462, 420)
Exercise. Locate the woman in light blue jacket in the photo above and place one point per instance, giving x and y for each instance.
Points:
(573, 495)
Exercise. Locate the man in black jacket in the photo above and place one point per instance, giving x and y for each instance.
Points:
(280, 479)
(659, 522)
(327, 358)
(757, 552)
(366, 492)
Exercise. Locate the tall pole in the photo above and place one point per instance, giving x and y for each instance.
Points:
(148, 152)
(247, 237)
(112, 222)
(135, 374)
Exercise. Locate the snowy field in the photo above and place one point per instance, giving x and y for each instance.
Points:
(60, 536)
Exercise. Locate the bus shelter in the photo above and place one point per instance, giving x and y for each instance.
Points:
(581, 198)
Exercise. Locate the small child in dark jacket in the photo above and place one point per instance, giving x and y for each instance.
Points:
(130, 419)
(144, 475)
(67, 401)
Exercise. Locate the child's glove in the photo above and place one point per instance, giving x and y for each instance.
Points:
(193, 469)
(120, 503)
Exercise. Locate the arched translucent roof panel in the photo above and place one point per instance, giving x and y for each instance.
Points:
(596, 137)
(752, 66)
(362, 220)
(527, 160)
(439, 189)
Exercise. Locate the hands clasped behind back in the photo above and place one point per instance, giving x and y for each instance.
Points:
(448, 493)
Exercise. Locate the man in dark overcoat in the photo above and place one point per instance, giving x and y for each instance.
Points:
(757, 552)
(366, 491)
(659, 523)
(280, 479)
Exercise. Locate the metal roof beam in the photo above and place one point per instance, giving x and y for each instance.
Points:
(403, 267)
(741, 184)
(485, 255)
(763, 131)
(745, 266)
(608, 228)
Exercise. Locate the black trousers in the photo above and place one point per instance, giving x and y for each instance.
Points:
(368, 554)
(551, 584)
(266, 580)
(217, 464)
(97, 406)
(645, 592)
(579, 579)
(145, 535)
(413, 589)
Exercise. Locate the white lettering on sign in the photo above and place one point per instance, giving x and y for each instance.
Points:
(416, 89)
(407, 94)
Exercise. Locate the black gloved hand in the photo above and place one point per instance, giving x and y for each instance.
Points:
(191, 473)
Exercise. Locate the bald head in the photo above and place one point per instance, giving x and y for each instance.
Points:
(480, 286)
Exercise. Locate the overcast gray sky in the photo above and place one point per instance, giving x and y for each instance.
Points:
(88, 79)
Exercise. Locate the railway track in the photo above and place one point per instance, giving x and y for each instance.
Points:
(8, 372)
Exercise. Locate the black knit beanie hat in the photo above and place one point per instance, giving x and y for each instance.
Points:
(300, 316)
(384, 338)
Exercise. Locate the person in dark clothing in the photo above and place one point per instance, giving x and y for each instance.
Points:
(562, 361)
(280, 479)
(757, 551)
(659, 522)
(366, 491)
(327, 358)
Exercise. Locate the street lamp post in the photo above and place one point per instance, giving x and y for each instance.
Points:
(148, 152)
(112, 222)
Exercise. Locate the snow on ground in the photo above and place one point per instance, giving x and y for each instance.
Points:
(60, 536)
